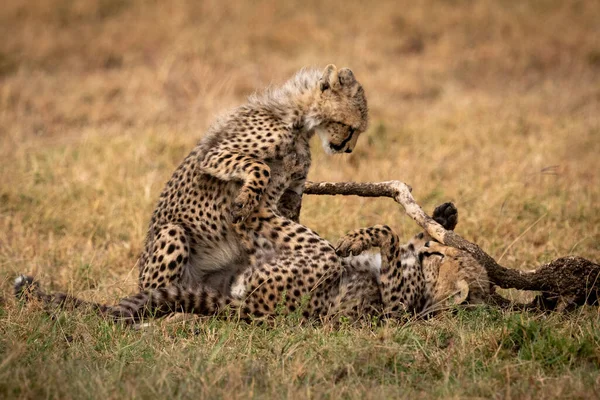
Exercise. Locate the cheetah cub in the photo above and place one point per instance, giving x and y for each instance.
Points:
(253, 159)
(255, 155)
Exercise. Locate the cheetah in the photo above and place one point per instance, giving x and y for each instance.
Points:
(303, 273)
(251, 164)
(196, 233)
(450, 275)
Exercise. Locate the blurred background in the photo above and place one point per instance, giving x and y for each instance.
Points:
(494, 105)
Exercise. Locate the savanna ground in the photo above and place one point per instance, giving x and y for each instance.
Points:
(493, 105)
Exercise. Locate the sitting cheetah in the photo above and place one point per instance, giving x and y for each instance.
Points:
(196, 232)
(251, 165)
(302, 272)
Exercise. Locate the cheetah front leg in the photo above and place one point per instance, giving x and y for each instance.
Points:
(255, 175)
(401, 278)
(290, 202)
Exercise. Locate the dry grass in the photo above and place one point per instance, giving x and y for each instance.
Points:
(493, 105)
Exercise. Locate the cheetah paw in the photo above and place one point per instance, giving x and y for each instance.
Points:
(446, 215)
(242, 207)
(351, 244)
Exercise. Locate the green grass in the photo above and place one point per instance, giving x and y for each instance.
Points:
(490, 104)
(469, 353)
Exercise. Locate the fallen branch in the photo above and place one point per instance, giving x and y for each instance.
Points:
(563, 282)
(380, 189)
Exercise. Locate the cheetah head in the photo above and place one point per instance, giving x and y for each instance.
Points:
(341, 109)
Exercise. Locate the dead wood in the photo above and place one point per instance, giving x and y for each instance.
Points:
(563, 282)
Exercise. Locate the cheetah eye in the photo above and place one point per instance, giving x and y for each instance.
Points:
(347, 127)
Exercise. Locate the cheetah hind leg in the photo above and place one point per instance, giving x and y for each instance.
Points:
(168, 257)
(360, 240)
(401, 276)
(356, 242)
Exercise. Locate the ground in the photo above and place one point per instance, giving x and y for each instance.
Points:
(493, 105)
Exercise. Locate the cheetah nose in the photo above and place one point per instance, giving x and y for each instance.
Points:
(348, 150)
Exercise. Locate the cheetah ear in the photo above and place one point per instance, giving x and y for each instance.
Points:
(346, 77)
(329, 79)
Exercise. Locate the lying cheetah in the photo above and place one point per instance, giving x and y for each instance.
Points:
(195, 234)
(301, 272)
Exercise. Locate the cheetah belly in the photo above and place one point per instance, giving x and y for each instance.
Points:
(212, 261)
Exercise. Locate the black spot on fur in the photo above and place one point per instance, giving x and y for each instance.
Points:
(171, 248)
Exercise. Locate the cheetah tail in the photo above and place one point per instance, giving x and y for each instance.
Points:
(166, 300)
(27, 288)
(132, 309)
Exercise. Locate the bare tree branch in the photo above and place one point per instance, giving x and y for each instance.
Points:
(367, 189)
